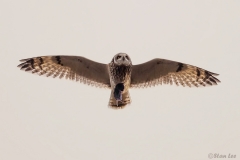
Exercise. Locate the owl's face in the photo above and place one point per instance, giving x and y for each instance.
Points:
(122, 59)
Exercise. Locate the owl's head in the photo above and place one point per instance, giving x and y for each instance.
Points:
(122, 59)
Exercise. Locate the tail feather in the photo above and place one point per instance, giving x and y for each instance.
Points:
(113, 103)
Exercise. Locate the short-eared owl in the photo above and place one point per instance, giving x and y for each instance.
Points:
(119, 75)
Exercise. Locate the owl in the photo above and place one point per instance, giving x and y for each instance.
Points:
(119, 75)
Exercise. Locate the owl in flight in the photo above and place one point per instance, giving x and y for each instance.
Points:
(119, 75)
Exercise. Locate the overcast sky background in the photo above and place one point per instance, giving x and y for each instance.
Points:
(46, 118)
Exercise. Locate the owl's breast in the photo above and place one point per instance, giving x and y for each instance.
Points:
(120, 74)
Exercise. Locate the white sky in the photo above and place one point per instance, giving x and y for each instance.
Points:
(46, 119)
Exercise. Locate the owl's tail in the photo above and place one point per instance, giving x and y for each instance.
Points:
(113, 103)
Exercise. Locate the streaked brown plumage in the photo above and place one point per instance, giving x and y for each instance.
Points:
(119, 70)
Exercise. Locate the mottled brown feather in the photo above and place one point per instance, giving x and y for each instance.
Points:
(71, 67)
(162, 71)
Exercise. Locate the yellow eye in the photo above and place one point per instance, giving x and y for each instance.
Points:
(118, 57)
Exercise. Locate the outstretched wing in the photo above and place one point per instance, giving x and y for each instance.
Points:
(71, 67)
(162, 71)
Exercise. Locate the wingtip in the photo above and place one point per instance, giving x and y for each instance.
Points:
(218, 80)
(215, 74)
(24, 60)
(20, 65)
